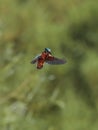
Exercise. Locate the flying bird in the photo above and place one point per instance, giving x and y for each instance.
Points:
(47, 57)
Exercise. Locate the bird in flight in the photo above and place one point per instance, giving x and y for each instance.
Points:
(47, 57)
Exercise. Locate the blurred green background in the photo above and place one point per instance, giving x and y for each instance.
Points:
(56, 97)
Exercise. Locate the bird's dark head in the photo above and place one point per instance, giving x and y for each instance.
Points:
(48, 50)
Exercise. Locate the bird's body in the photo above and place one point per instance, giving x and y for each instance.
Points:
(47, 57)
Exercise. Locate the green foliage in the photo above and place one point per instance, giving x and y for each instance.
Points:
(56, 97)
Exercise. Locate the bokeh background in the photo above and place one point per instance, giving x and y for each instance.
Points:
(56, 97)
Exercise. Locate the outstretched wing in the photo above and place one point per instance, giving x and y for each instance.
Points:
(55, 61)
(35, 59)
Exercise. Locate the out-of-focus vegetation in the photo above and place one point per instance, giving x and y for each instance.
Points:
(56, 97)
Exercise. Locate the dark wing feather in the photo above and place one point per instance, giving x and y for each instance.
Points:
(35, 59)
(56, 61)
